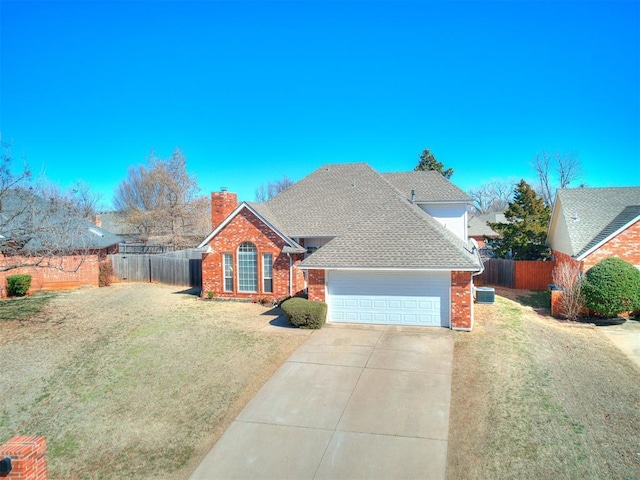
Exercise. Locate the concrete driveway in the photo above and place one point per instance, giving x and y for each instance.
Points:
(626, 337)
(352, 402)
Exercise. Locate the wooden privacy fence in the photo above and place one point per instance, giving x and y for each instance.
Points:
(183, 268)
(519, 274)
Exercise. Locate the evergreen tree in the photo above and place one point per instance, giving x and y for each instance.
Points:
(524, 236)
(429, 162)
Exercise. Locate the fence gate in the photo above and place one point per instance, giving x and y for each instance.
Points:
(182, 268)
(499, 272)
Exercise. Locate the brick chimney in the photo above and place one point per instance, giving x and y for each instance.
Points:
(222, 204)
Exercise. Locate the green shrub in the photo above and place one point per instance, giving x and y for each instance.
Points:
(304, 313)
(18, 285)
(105, 274)
(612, 286)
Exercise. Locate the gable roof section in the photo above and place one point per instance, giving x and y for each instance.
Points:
(266, 217)
(592, 216)
(478, 224)
(429, 186)
(374, 223)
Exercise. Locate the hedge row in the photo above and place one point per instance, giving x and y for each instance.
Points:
(304, 313)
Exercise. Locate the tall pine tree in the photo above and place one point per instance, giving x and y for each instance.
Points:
(428, 162)
(524, 236)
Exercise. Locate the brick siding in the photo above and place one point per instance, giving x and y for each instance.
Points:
(315, 285)
(246, 227)
(461, 300)
(625, 245)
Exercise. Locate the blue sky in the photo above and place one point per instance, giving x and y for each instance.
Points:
(251, 91)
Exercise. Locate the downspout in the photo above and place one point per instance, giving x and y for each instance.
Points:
(290, 275)
(479, 272)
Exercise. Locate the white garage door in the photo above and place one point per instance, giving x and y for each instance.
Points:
(388, 297)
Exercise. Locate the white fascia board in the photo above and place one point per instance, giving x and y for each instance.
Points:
(233, 214)
(614, 234)
(553, 220)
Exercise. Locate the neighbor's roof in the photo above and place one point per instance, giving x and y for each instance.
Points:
(592, 215)
(374, 224)
(478, 225)
(26, 217)
(429, 186)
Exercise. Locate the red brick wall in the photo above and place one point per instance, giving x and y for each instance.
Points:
(625, 245)
(315, 285)
(246, 227)
(461, 301)
(28, 457)
(222, 204)
(57, 273)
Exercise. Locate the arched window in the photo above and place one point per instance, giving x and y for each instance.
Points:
(247, 268)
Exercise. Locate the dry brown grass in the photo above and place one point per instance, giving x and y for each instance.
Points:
(135, 380)
(533, 398)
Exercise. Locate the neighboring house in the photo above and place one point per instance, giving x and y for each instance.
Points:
(591, 224)
(377, 248)
(115, 223)
(58, 249)
(480, 231)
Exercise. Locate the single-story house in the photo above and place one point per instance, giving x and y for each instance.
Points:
(45, 239)
(380, 248)
(591, 224)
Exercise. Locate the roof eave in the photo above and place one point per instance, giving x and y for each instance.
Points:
(233, 214)
(585, 254)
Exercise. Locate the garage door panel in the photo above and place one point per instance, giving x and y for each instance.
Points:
(409, 298)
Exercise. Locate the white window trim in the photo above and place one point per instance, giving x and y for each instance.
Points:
(224, 272)
(257, 266)
(264, 277)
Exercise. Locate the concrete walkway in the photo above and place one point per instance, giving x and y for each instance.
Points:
(352, 402)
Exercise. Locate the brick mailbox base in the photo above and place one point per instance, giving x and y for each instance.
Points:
(28, 458)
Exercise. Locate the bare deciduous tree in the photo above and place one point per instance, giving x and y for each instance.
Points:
(555, 171)
(493, 196)
(566, 276)
(162, 202)
(39, 226)
(271, 189)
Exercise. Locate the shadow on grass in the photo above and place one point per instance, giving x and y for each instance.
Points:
(281, 321)
(540, 301)
(195, 291)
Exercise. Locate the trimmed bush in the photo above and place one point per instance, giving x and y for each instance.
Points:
(305, 313)
(105, 274)
(611, 287)
(18, 285)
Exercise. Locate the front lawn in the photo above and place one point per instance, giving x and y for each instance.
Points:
(533, 398)
(132, 381)
(23, 308)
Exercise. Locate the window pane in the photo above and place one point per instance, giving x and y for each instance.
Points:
(267, 272)
(247, 268)
(227, 261)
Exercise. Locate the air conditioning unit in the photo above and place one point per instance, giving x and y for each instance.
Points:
(485, 295)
